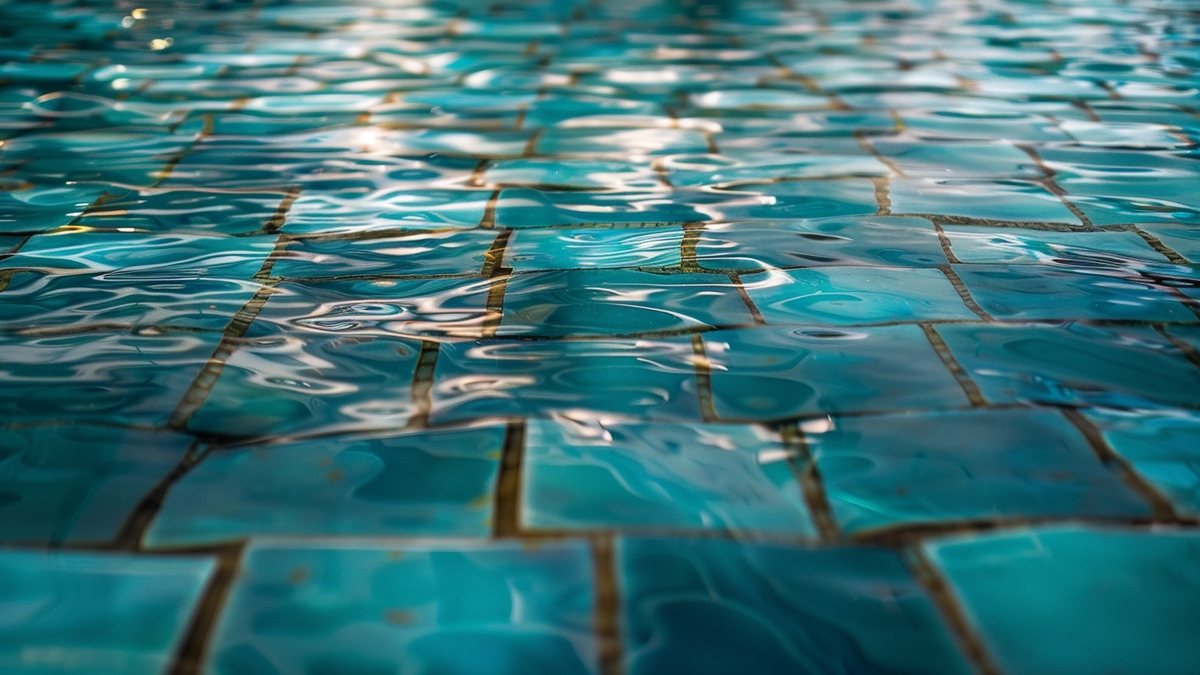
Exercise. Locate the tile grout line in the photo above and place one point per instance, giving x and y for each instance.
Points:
(953, 614)
(804, 467)
(422, 385)
(703, 368)
(139, 519)
(957, 371)
(193, 649)
(883, 199)
(687, 247)
(736, 280)
(506, 509)
(1157, 244)
(1189, 352)
(964, 293)
(606, 615)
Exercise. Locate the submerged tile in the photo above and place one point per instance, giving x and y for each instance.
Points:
(588, 473)
(710, 606)
(448, 608)
(1162, 445)
(1073, 600)
(411, 484)
(594, 248)
(99, 613)
(416, 254)
(883, 471)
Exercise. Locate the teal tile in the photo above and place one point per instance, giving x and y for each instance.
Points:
(520, 208)
(138, 255)
(922, 159)
(710, 606)
(587, 473)
(712, 169)
(876, 241)
(1073, 364)
(415, 254)
(1162, 445)
(796, 199)
(618, 302)
(40, 208)
(854, 295)
(185, 211)
(620, 142)
(1068, 599)
(1011, 200)
(287, 384)
(593, 248)
(79, 483)
(1182, 239)
(96, 613)
(640, 378)
(1026, 292)
(504, 608)
(336, 213)
(886, 471)
(426, 483)
(778, 373)
(1047, 247)
(580, 175)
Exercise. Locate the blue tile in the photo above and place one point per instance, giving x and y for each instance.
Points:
(503, 608)
(594, 248)
(95, 613)
(410, 484)
(854, 295)
(1072, 600)
(582, 473)
(778, 373)
(708, 606)
(883, 471)
(416, 254)
(1162, 445)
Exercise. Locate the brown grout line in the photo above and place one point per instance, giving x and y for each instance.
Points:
(960, 374)
(190, 659)
(1051, 185)
(687, 247)
(488, 221)
(755, 314)
(1161, 506)
(1191, 303)
(268, 266)
(661, 173)
(946, 246)
(1040, 225)
(964, 293)
(494, 309)
(865, 143)
(808, 475)
(476, 179)
(493, 259)
(953, 615)
(881, 195)
(133, 530)
(1189, 352)
(422, 385)
(506, 510)
(607, 608)
(531, 144)
(1158, 245)
(1083, 105)
(208, 375)
(167, 170)
(703, 369)
(281, 213)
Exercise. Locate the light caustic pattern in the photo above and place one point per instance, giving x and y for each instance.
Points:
(643, 337)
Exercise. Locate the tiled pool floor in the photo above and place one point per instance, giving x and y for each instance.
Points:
(631, 337)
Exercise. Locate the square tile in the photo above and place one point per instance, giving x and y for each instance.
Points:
(922, 159)
(639, 378)
(1073, 364)
(711, 606)
(854, 295)
(1046, 247)
(416, 254)
(1162, 445)
(436, 608)
(587, 473)
(1025, 292)
(426, 483)
(885, 471)
(99, 613)
(519, 208)
(1078, 601)
(780, 373)
(79, 483)
(1009, 201)
(168, 256)
(618, 302)
(186, 211)
(386, 209)
(593, 248)
(40, 208)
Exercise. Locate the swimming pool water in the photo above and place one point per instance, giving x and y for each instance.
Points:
(642, 337)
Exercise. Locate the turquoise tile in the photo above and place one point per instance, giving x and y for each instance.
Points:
(286, 384)
(117, 377)
(40, 208)
(519, 208)
(796, 199)
(415, 254)
(79, 483)
(620, 142)
(854, 295)
(1182, 239)
(96, 613)
(1026, 292)
(502, 608)
(712, 169)
(336, 213)
(887, 471)
(876, 241)
(426, 483)
(778, 373)
(618, 302)
(1068, 599)
(593, 248)
(185, 211)
(710, 606)
(1073, 364)
(405, 307)
(921, 159)
(581, 175)
(587, 473)
(138, 255)
(1011, 200)
(635, 377)
(1162, 445)
(32, 300)
(1047, 247)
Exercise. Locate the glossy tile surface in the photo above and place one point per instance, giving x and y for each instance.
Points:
(634, 337)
